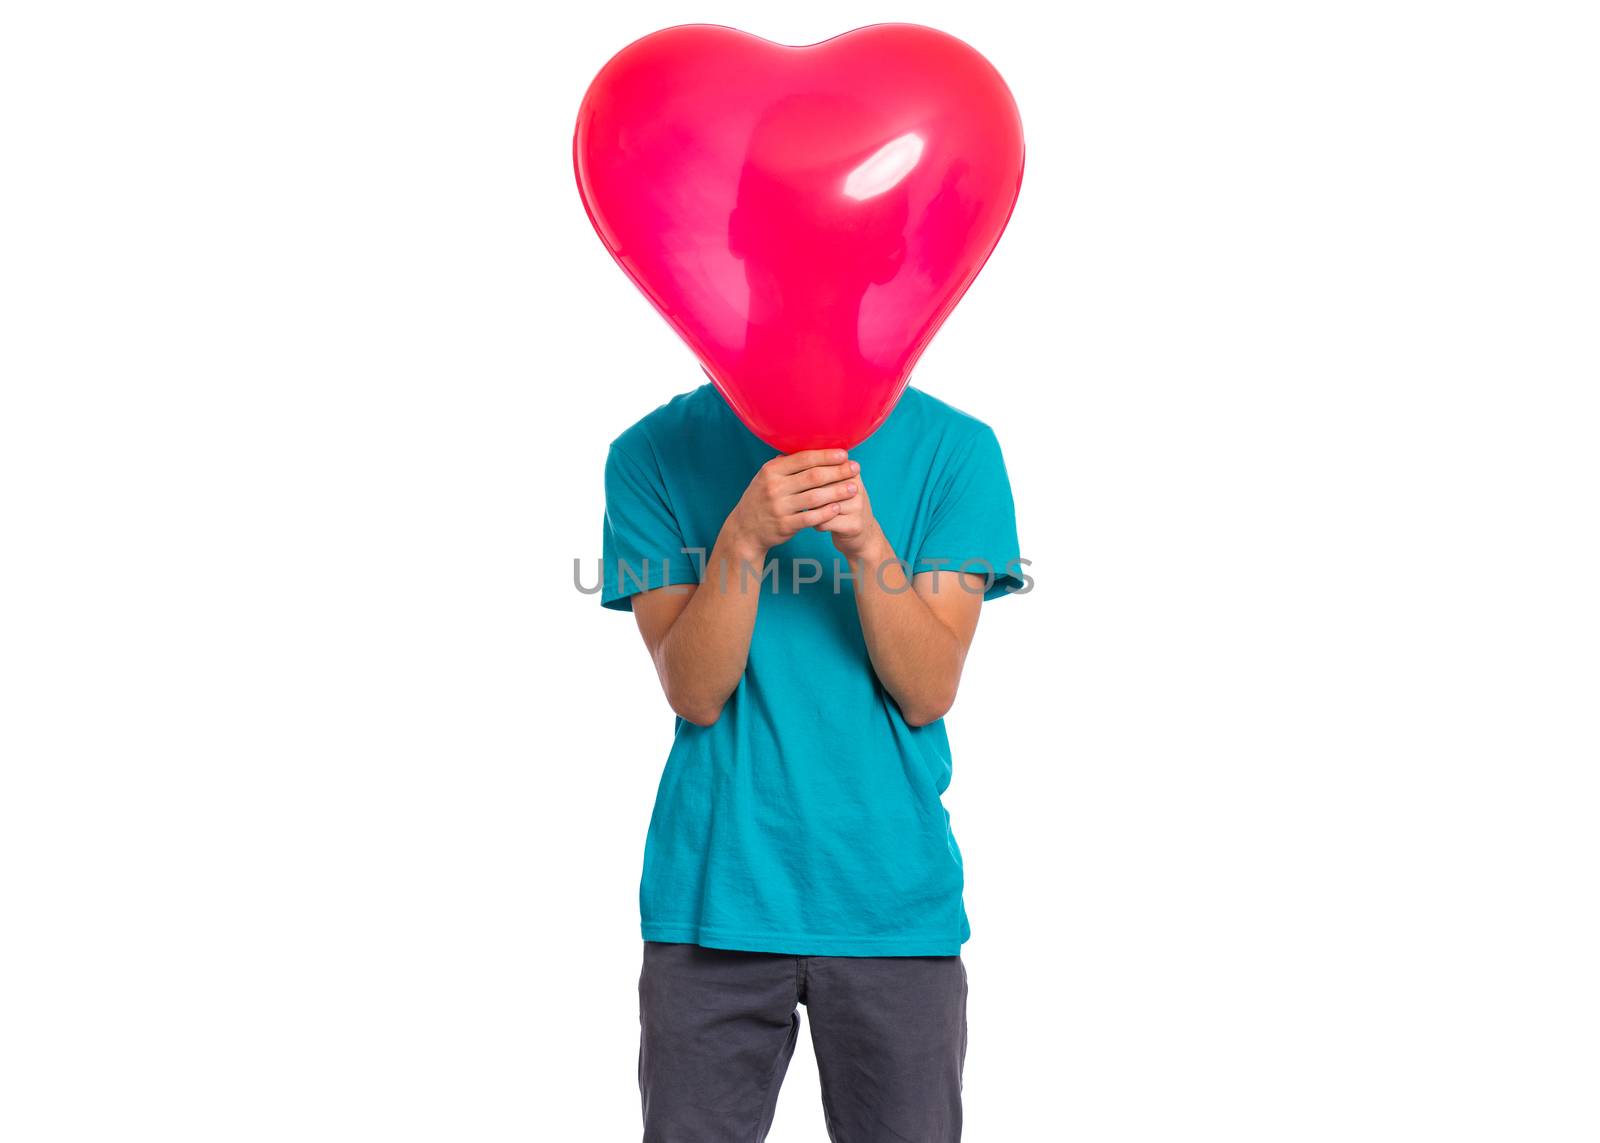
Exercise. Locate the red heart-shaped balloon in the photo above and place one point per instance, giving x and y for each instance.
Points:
(804, 217)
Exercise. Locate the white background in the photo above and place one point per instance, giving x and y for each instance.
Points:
(324, 793)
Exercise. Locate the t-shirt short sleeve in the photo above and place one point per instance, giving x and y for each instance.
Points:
(642, 546)
(973, 525)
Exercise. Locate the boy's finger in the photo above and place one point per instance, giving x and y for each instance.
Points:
(816, 516)
(821, 474)
(800, 461)
(817, 497)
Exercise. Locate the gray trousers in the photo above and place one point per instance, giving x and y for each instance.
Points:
(717, 1028)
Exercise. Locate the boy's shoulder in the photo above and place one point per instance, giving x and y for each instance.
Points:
(667, 422)
(927, 414)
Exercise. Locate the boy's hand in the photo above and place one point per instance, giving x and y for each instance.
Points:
(855, 530)
(801, 490)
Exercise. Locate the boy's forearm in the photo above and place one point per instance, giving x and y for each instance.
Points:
(703, 655)
(916, 656)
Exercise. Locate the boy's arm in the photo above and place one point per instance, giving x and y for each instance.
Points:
(699, 636)
(918, 631)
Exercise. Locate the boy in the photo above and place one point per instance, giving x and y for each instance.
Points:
(810, 639)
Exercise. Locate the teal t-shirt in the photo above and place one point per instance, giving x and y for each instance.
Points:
(807, 819)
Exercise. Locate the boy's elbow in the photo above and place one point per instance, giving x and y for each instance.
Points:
(701, 714)
(931, 711)
(698, 708)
